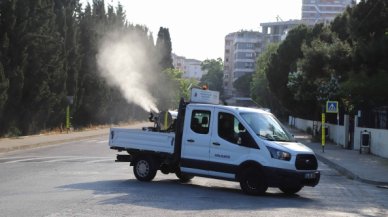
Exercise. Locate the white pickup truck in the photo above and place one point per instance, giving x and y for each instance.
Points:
(240, 144)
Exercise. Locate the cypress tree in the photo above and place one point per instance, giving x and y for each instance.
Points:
(164, 48)
(14, 16)
(4, 84)
(44, 91)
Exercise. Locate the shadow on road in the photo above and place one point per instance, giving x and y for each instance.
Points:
(171, 194)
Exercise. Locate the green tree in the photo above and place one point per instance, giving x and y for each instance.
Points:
(213, 69)
(282, 63)
(180, 85)
(164, 48)
(366, 29)
(93, 97)
(242, 85)
(4, 84)
(44, 89)
(325, 63)
(5, 15)
(14, 17)
(259, 88)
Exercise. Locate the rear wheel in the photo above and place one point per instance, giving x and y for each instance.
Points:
(183, 177)
(291, 190)
(252, 182)
(144, 168)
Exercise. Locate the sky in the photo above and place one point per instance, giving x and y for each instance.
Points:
(198, 27)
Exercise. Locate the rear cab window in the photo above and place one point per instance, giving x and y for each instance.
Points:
(200, 121)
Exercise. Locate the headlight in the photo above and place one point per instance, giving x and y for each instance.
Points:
(278, 154)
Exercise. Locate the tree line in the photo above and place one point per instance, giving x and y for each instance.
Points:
(48, 52)
(345, 60)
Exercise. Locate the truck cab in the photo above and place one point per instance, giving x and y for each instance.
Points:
(232, 142)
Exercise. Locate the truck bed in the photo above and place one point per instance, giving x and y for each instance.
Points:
(127, 139)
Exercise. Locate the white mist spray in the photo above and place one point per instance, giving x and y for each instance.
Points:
(121, 61)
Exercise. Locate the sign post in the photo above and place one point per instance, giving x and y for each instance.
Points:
(68, 118)
(323, 131)
(332, 107)
(70, 100)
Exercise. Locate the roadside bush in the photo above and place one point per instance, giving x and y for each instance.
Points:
(14, 132)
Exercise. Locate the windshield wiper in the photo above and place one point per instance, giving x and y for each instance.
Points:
(280, 139)
(266, 137)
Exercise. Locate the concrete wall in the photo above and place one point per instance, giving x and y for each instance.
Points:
(336, 133)
(379, 140)
(379, 137)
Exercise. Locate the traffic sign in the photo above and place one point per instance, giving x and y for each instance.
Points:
(332, 106)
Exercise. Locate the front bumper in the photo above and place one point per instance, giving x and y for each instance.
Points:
(277, 177)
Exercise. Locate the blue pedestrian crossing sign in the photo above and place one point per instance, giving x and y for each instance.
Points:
(332, 106)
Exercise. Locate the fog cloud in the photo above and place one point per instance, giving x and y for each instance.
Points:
(122, 60)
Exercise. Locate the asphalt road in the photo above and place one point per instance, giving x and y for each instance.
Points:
(82, 179)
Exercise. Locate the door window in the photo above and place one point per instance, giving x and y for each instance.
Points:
(232, 130)
(200, 120)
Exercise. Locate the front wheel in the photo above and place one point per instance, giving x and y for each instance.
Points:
(291, 190)
(144, 169)
(252, 182)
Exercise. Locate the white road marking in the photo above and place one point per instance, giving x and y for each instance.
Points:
(53, 159)
(29, 159)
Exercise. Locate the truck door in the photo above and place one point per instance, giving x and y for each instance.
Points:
(196, 139)
(229, 146)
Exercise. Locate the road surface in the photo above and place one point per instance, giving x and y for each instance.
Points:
(81, 179)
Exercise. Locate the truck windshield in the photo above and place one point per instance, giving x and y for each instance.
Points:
(267, 127)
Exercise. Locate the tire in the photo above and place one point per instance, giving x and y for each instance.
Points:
(252, 182)
(183, 177)
(291, 190)
(144, 168)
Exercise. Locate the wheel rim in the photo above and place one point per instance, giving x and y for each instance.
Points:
(252, 183)
(142, 168)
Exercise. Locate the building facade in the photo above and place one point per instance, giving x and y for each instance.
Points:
(323, 11)
(241, 51)
(277, 31)
(191, 68)
(313, 12)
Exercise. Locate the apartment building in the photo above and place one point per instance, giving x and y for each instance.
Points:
(241, 51)
(323, 11)
(277, 31)
(191, 68)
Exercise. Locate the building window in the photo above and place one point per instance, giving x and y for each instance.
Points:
(249, 65)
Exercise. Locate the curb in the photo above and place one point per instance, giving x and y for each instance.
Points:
(42, 144)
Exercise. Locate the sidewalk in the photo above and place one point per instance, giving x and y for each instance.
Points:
(26, 142)
(364, 167)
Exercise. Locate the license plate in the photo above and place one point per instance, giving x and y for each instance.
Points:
(310, 176)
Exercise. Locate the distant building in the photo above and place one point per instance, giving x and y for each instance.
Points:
(191, 68)
(277, 31)
(313, 12)
(241, 51)
(323, 11)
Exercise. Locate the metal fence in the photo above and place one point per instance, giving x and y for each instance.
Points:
(376, 118)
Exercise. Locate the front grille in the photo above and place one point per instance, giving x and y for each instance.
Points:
(306, 162)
